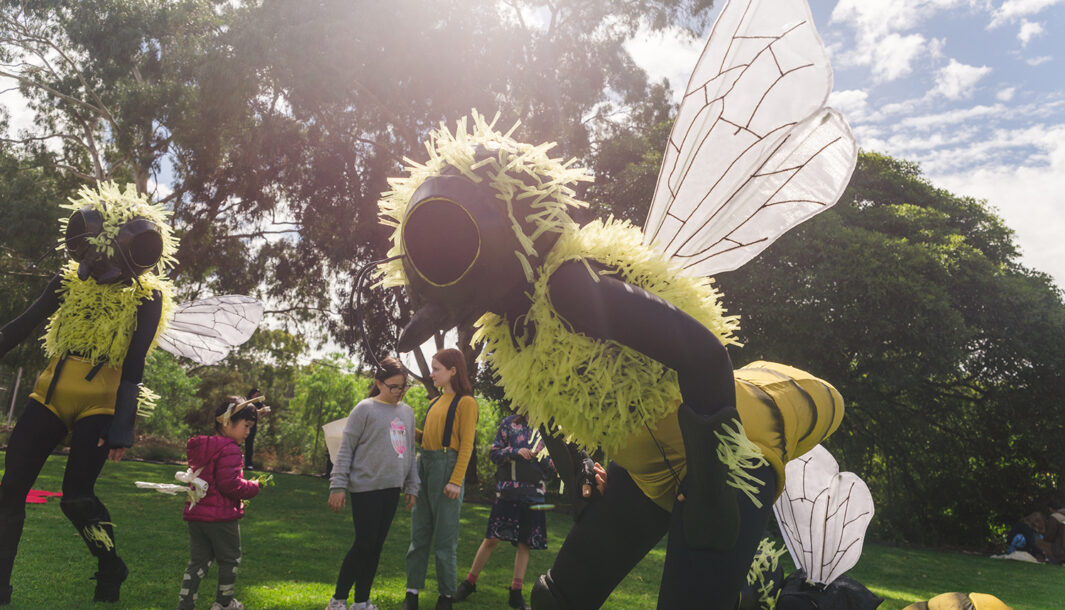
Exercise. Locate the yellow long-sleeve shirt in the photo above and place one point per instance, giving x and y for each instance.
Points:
(463, 431)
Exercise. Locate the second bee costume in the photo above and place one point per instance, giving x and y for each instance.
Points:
(105, 310)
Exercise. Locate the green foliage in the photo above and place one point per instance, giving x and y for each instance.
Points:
(177, 397)
(293, 545)
(911, 301)
(326, 390)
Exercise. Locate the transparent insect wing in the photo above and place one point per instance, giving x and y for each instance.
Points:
(206, 330)
(753, 151)
(823, 515)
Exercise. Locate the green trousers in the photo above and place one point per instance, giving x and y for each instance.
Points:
(435, 521)
(211, 542)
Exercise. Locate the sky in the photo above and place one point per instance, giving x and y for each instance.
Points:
(972, 90)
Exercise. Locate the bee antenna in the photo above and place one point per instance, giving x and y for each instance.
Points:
(357, 292)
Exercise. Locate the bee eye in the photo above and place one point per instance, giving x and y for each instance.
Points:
(441, 239)
(141, 244)
(83, 224)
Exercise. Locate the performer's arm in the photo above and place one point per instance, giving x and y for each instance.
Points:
(16, 331)
(120, 435)
(614, 310)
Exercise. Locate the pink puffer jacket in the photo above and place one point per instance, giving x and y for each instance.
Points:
(222, 464)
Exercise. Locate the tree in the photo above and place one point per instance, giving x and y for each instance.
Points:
(911, 301)
(278, 123)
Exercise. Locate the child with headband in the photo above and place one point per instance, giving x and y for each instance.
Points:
(214, 533)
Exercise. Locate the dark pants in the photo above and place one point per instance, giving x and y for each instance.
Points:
(249, 447)
(617, 531)
(36, 434)
(372, 513)
(210, 542)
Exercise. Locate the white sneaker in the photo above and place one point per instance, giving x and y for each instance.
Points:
(232, 605)
(368, 606)
(337, 604)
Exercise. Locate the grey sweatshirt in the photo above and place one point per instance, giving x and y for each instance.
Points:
(377, 449)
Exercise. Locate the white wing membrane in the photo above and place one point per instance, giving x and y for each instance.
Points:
(206, 330)
(823, 515)
(753, 151)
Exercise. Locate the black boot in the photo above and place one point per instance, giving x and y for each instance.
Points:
(443, 602)
(410, 602)
(109, 578)
(5, 596)
(516, 601)
(711, 513)
(466, 588)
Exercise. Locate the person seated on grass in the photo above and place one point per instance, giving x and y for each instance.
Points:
(214, 534)
(519, 488)
(1024, 534)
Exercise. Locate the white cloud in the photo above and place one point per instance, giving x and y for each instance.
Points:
(1028, 31)
(895, 54)
(880, 28)
(951, 117)
(1011, 10)
(957, 80)
(20, 117)
(1006, 94)
(852, 103)
(670, 53)
(1035, 61)
(1029, 198)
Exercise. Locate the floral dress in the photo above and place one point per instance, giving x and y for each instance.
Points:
(512, 519)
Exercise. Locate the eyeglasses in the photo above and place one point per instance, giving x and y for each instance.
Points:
(397, 387)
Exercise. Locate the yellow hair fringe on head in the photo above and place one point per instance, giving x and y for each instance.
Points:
(547, 187)
(118, 206)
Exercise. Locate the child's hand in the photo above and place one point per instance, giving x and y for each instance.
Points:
(264, 480)
(452, 491)
(411, 499)
(337, 500)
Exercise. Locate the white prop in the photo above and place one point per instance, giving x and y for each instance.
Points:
(823, 514)
(753, 151)
(333, 431)
(206, 330)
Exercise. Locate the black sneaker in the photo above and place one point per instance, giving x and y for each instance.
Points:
(443, 602)
(516, 601)
(410, 602)
(466, 588)
(109, 580)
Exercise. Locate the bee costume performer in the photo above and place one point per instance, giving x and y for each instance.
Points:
(615, 337)
(105, 310)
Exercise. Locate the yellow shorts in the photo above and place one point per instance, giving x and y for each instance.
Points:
(75, 397)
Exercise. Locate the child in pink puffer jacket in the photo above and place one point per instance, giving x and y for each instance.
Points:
(214, 533)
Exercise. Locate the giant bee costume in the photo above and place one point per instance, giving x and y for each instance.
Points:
(615, 338)
(105, 310)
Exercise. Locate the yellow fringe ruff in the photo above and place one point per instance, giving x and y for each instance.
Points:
(97, 321)
(765, 562)
(597, 392)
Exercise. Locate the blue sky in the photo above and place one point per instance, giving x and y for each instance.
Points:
(973, 90)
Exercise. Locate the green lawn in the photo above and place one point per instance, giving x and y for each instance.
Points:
(293, 546)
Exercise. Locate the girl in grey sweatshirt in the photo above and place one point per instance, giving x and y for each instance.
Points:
(374, 464)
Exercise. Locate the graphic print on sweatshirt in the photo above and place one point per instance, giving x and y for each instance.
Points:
(398, 433)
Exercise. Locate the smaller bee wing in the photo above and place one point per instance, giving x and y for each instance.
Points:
(206, 330)
(823, 514)
(753, 151)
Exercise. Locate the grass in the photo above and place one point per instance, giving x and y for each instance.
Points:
(293, 546)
